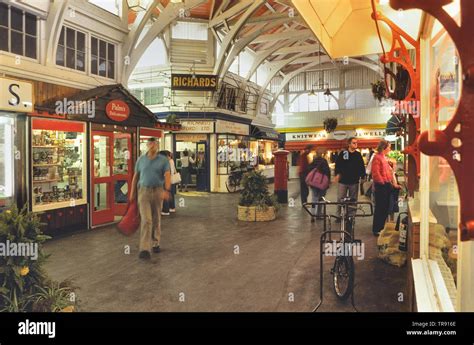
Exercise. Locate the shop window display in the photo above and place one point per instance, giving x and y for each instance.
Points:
(58, 165)
(233, 152)
(444, 198)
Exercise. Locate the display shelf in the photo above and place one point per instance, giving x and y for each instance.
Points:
(46, 181)
(46, 165)
(45, 147)
(56, 205)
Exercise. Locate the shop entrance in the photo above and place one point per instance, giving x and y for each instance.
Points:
(197, 147)
(111, 175)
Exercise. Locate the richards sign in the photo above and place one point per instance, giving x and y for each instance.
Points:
(197, 82)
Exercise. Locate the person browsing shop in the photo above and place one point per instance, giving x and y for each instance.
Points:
(152, 183)
(349, 170)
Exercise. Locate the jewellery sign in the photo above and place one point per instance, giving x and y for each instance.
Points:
(189, 126)
(194, 82)
(231, 127)
(16, 95)
(117, 110)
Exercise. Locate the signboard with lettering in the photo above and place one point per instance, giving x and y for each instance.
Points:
(361, 133)
(191, 137)
(194, 82)
(196, 126)
(117, 110)
(16, 95)
(232, 127)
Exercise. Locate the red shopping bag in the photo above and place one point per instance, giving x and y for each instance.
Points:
(131, 220)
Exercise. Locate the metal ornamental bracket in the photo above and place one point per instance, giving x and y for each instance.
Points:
(399, 54)
(456, 142)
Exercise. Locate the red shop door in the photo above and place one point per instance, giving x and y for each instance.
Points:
(102, 178)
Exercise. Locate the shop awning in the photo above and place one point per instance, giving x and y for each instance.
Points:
(394, 124)
(260, 132)
(330, 144)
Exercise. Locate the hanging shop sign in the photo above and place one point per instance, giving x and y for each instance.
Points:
(190, 126)
(360, 133)
(117, 110)
(16, 95)
(191, 137)
(196, 82)
(232, 127)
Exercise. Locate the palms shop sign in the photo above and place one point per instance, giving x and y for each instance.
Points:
(117, 110)
(16, 95)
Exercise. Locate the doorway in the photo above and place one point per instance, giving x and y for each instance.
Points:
(198, 148)
(112, 171)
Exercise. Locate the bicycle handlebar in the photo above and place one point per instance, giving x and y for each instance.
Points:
(342, 203)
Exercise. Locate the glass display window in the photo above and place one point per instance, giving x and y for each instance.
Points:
(233, 151)
(262, 151)
(445, 89)
(7, 160)
(58, 164)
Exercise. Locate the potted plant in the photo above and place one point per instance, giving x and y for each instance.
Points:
(172, 119)
(22, 276)
(256, 204)
(379, 90)
(330, 124)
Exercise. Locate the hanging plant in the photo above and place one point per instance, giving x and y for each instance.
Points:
(330, 124)
(172, 119)
(378, 90)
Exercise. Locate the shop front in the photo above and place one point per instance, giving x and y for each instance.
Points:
(83, 151)
(264, 141)
(16, 99)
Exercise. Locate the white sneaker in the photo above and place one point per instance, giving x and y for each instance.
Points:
(165, 213)
(172, 210)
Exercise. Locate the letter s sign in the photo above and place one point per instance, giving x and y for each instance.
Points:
(16, 100)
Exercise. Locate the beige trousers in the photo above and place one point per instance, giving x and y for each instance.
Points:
(150, 202)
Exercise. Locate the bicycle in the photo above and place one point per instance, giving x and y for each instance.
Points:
(343, 269)
(233, 181)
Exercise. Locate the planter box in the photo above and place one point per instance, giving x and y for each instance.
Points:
(254, 214)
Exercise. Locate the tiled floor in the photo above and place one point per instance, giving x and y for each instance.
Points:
(212, 262)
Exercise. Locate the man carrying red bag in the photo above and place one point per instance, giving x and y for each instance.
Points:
(152, 173)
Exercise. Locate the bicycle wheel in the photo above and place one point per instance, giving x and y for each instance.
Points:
(231, 184)
(343, 271)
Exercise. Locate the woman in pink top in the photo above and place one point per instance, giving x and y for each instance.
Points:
(382, 176)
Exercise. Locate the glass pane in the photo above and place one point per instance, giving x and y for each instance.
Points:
(60, 56)
(102, 49)
(16, 19)
(80, 60)
(17, 43)
(3, 15)
(30, 46)
(30, 24)
(111, 52)
(102, 68)
(100, 197)
(443, 190)
(7, 151)
(70, 38)
(94, 46)
(101, 156)
(94, 64)
(61, 37)
(121, 154)
(111, 70)
(70, 58)
(121, 192)
(4, 39)
(58, 164)
(81, 42)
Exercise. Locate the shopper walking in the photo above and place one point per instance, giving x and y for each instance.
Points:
(349, 170)
(152, 183)
(303, 166)
(169, 205)
(321, 165)
(186, 161)
(382, 176)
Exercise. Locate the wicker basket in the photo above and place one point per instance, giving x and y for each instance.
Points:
(254, 214)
